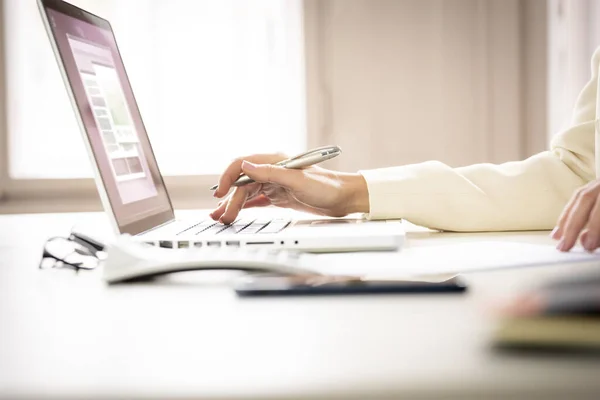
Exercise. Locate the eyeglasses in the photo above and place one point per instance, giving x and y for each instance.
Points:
(72, 252)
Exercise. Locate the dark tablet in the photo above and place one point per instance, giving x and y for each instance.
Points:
(294, 285)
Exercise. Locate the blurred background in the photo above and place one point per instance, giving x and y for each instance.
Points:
(390, 81)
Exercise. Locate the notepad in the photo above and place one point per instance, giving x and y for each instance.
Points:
(561, 314)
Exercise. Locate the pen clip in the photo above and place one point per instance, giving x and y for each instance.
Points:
(323, 149)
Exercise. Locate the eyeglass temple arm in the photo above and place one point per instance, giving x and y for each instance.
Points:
(87, 241)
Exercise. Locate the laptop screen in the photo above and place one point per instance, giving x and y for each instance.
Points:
(115, 132)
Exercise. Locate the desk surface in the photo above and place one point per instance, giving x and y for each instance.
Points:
(64, 335)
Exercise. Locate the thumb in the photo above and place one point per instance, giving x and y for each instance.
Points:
(267, 173)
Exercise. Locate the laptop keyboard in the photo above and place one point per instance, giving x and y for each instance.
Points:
(241, 227)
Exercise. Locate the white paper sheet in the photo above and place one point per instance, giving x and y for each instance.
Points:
(448, 260)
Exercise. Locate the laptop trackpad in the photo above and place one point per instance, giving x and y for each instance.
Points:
(330, 222)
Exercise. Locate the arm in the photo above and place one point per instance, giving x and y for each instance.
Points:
(521, 195)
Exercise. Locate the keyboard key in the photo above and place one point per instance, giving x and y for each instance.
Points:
(275, 227)
(191, 226)
(263, 221)
(254, 228)
(214, 229)
(239, 225)
(199, 228)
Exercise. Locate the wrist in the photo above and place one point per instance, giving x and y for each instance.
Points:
(356, 194)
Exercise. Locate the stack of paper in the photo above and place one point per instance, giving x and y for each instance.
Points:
(449, 259)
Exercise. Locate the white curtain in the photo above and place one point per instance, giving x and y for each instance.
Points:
(214, 79)
(574, 34)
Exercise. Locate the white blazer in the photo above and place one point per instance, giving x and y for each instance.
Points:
(522, 195)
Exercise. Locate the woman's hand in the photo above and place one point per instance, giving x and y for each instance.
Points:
(313, 189)
(581, 216)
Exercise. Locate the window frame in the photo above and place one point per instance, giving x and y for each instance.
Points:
(80, 194)
(572, 39)
(3, 123)
(67, 195)
(41, 195)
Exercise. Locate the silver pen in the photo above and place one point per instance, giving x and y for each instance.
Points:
(306, 159)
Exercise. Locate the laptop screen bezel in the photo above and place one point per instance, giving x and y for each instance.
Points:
(146, 223)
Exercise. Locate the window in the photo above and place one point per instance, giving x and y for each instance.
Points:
(574, 34)
(214, 79)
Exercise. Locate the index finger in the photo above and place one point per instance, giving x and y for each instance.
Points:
(558, 231)
(578, 219)
(233, 171)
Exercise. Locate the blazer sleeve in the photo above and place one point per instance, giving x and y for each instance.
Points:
(521, 195)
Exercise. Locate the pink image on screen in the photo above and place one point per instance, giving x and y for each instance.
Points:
(113, 119)
(135, 165)
(120, 167)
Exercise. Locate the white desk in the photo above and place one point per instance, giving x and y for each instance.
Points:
(64, 335)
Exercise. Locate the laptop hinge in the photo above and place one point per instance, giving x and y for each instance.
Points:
(158, 226)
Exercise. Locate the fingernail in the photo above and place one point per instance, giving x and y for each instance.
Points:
(248, 165)
(561, 244)
(554, 233)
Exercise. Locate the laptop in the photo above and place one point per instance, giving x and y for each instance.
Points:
(129, 181)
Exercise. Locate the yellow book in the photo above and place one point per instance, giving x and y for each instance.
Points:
(567, 332)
